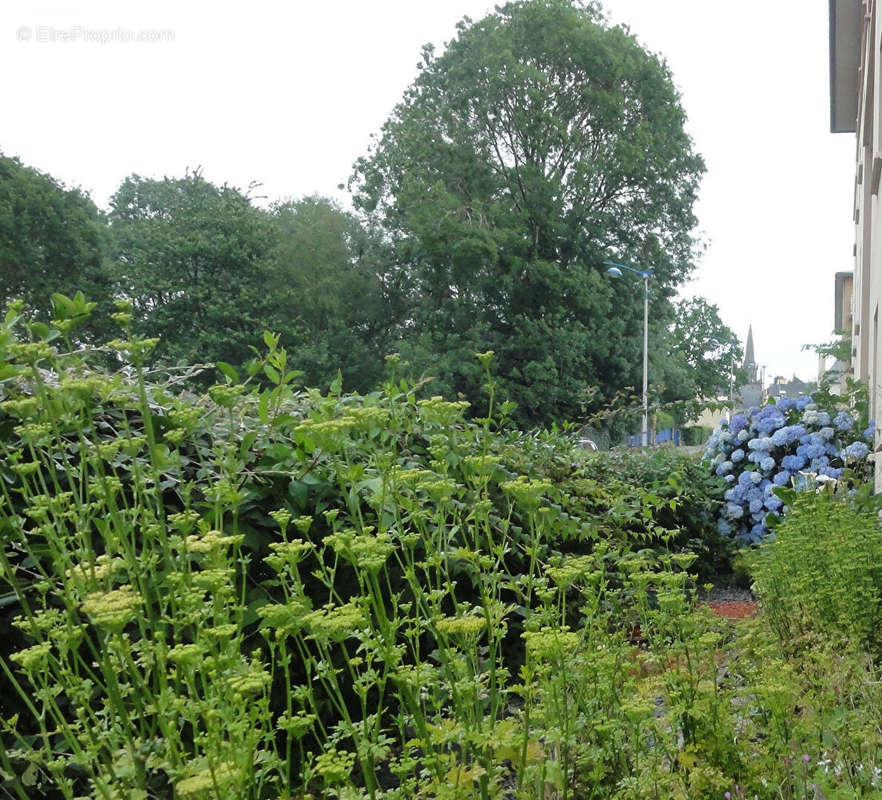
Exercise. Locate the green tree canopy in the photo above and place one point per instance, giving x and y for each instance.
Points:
(696, 357)
(52, 239)
(540, 142)
(192, 258)
(331, 303)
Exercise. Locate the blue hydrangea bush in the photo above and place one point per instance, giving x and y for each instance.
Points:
(788, 443)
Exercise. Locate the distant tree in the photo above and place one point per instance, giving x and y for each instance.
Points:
(696, 358)
(707, 346)
(193, 258)
(332, 305)
(52, 239)
(539, 143)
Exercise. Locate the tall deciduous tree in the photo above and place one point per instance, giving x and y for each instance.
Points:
(708, 348)
(192, 257)
(52, 239)
(332, 305)
(538, 143)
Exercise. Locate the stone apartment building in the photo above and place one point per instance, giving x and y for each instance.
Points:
(856, 107)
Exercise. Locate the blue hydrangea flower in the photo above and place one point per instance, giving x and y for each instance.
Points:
(737, 455)
(734, 511)
(773, 503)
(769, 419)
(787, 435)
(869, 432)
(767, 464)
(813, 451)
(856, 450)
(785, 404)
(843, 421)
(743, 436)
(794, 462)
(802, 402)
(737, 423)
(832, 472)
(724, 527)
(725, 467)
(782, 478)
(755, 477)
(756, 505)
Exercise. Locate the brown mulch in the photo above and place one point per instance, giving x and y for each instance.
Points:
(734, 609)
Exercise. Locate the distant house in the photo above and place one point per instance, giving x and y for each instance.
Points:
(856, 107)
(837, 374)
(794, 388)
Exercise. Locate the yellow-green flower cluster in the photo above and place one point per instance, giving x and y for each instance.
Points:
(297, 725)
(281, 517)
(335, 623)
(369, 417)
(225, 394)
(288, 553)
(104, 487)
(21, 408)
(481, 465)
(211, 542)
(112, 609)
(82, 574)
(570, 571)
(29, 352)
(469, 626)
(365, 550)
(226, 631)
(329, 434)
(215, 580)
(335, 766)
(33, 656)
(207, 779)
(33, 433)
(185, 655)
(526, 492)
(250, 682)
(550, 643)
(25, 468)
(285, 618)
(440, 411)
(183, 520)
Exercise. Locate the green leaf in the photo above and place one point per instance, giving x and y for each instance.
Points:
(298, 491)
(337, 384)
(228, 370)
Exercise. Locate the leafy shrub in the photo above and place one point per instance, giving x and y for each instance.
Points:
(696, 434)
(822, 574)
(779, 445)
(258, 591)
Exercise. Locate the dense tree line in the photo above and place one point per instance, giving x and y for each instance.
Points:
(539, 143)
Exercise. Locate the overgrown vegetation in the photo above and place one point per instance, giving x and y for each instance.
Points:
(264, 592)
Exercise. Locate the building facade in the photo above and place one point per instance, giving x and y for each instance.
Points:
(855, 105)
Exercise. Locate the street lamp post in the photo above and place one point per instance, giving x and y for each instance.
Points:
(615, 271)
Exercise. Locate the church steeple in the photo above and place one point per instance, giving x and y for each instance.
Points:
(749, 364)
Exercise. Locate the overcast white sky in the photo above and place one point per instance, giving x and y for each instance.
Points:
(287, 94)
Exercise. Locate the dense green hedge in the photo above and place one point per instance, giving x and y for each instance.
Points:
(232, 591)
